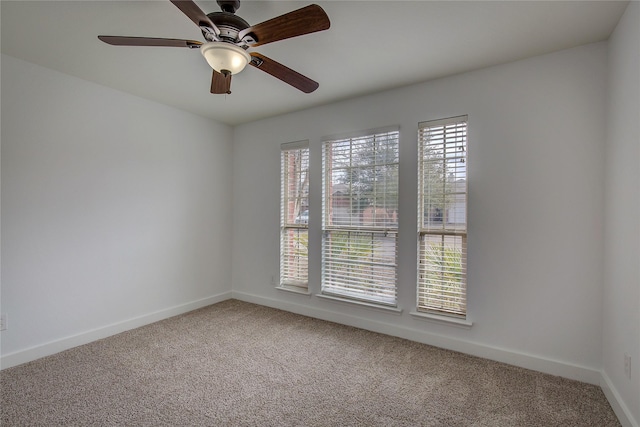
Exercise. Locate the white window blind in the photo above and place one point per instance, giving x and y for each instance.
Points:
(294, 214)
(360, 217)
(442, 217)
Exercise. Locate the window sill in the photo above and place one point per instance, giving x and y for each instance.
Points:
(360, 303)
(293, 289)
(462, 323)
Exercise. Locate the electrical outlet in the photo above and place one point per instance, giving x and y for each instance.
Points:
(627, 365)
(3, 322)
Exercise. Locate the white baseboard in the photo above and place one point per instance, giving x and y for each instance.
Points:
(527, 361)
(33, 353)
(617, 404)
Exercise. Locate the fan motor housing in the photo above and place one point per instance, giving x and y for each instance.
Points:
(228, 24)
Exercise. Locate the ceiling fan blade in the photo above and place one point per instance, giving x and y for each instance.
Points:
(149, 41)
(193, 12)
(283, 73)
(220, 83)
(307, 20)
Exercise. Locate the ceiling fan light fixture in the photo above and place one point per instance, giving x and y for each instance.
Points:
(225, 58)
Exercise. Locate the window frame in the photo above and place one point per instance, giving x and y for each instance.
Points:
(294, 267)
(451, 263)
(382, 227)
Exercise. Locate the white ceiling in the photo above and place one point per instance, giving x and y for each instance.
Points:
(371, 46)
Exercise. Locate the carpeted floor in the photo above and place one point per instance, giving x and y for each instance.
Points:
(240, 364)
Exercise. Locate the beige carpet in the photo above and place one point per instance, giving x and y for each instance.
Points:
(240, 364)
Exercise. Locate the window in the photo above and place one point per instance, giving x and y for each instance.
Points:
(360, 217)
(442, 217)
(294, 214)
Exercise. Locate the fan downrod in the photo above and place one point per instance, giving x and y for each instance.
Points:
(229, 6)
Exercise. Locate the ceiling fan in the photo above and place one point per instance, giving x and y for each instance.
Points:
(228, 38)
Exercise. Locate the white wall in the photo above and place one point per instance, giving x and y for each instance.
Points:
(536, 144)
(621, 298)
(115, 211)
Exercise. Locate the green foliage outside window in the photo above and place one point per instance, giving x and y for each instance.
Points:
(444, 275)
